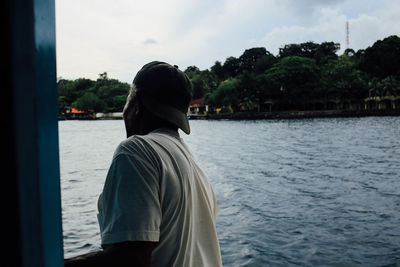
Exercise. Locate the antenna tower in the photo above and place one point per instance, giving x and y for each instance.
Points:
(347, 35)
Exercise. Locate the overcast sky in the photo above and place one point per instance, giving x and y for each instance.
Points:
(120, 36)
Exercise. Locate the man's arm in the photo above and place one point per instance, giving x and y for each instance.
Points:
(131, 253)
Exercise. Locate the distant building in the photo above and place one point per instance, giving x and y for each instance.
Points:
(109, 116)
(73, 113)
(382, 100)
(76, 111)
(197, 107)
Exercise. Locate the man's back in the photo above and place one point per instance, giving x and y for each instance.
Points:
(157, 207)
(170, 201)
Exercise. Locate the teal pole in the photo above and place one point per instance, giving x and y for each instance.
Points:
(47, 128)
(31, 183)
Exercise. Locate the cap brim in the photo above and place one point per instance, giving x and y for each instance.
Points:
(168, 113)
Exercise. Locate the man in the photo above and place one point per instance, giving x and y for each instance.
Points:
(157, 207)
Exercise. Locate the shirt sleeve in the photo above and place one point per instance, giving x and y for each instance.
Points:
(129, 206)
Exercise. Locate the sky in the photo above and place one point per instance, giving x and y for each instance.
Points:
(120, 36)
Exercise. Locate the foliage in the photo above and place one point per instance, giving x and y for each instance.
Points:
(102, 95)
(265, 62)
(341, 79)
(389, 86)
(203, 81)
(231, 67)
(192, 71)
(296, 77)
(89, 101)
(322, 53)
(248, 60)
(299, 75)
(383, 58)
(227, 94)
(218, 70)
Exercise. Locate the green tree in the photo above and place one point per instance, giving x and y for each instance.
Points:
(296, 78)
(66, 94)
(62, 104)
(389, 86)
(80, 93)
(82, 85)
(248, 59)
(383, 58)
(248, 91)
(269, 88)
(203, 82)
(290, 50)
(264, 63)
(341, 79)
(111, 92)
(326, 51)
(218, 70)
(191, 71)
(89, 101)
(231, 67)
(69, 91)
(322, 53)
(227, 94)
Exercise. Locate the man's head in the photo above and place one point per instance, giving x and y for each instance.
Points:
(163, 92)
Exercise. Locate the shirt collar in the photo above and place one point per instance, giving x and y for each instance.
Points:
(167, 131)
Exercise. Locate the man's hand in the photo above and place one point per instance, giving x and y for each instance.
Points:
(130, 253)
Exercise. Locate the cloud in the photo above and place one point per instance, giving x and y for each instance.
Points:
(330, 27)
(305, 10)
(121, 36)
(149, 41)
(364, 30)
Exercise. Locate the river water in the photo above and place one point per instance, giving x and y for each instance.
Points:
(308, 192)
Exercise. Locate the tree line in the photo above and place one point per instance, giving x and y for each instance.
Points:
(302, 76)
(102, 95)
(299, 77)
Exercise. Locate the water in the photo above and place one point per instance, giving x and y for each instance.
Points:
(312, 192)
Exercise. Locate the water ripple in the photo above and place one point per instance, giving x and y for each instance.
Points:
(314, 192)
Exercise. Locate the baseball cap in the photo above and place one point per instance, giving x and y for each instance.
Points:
(166, 92)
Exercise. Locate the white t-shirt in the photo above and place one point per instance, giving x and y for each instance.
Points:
(155, 191)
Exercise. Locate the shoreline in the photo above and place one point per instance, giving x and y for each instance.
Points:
(296, 114)
(267, 115)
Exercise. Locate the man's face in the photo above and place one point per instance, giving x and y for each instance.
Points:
(130, 113)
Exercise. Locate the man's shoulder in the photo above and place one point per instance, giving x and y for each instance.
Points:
(150, 146)
(142, 145)
(133, 145)
(136, 151)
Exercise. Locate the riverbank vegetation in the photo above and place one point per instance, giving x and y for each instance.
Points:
(305, 76)
(103, 95)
